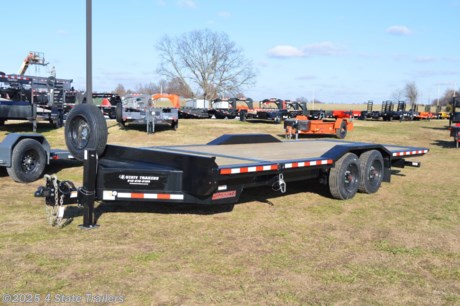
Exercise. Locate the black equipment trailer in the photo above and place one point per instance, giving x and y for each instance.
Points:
(25, 156)
(217, 172)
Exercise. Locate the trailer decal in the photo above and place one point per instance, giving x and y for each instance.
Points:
(308, 163)
(112, 195)
(404, 153)
(248, 169)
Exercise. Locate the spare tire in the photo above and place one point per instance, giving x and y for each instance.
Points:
(85, 128)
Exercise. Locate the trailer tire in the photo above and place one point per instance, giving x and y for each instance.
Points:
(28, 161)
(341, 132)
(243, 116)
(85, 128)
(371, 168)
(344, 177)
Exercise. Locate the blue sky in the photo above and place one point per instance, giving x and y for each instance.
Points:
(336, 51)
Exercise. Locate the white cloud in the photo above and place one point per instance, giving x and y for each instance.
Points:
(322, 48)
(224, 14)
(285, 51)
(425, 59)
(62, 32)
(399, 30)
(186, 4)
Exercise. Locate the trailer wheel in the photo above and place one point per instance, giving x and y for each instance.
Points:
(119, 114)
(371, 166)
(85, 128)
(28, 161)
(243, 115)
(341, 132)
(277, 119)
(344, 177)
(175, 125)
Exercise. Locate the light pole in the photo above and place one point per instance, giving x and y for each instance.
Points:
(89, 59)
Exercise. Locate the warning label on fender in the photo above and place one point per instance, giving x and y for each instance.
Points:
(224, 195)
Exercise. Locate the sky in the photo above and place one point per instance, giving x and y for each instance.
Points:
(335, 51)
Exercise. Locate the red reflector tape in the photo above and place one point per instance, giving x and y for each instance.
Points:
(406, 153)
(248, 169)
(112, 195)
(310, 163)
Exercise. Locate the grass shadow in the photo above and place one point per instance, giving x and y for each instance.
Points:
(27, 127)
(444, 144)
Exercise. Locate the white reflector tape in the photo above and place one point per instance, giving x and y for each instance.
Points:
(249, 169)
(406, 153)
(308, 163)
(112, 195)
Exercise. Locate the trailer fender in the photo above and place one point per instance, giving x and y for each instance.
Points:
(11, 140)
(28, 161)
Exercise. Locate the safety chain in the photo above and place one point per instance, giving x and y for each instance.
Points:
(55, 212)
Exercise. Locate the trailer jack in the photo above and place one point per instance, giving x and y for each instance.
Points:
(59, 193)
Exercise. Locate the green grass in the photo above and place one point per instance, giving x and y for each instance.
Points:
(396, 247)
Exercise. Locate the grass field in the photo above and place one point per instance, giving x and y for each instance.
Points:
(400, 246)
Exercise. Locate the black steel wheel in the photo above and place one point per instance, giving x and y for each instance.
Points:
(344, 177)
(371, 167)
(85, 128)
(28, 161)
(341, 132)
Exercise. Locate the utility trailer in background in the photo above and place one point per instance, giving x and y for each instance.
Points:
(33, 98)
(25, 156)
(141, 109)
(215, 173)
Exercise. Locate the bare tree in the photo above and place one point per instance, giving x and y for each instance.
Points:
(411, 93)
(301, 99)
(176, 86)
(148, 89)
(398, 95)
(120, 90)
(205, 61)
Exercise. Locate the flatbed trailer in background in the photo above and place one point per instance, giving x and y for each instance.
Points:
(218, 172)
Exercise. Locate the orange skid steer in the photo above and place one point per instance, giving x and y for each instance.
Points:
(303, 125)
